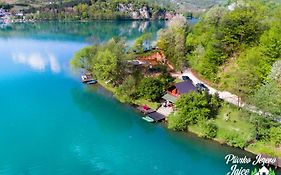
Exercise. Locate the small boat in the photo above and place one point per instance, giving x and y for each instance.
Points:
(148, 119)
(86, 78)
(92, 82)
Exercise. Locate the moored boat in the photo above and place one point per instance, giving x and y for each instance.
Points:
(92, 82)
(148, 119)
(85, 78)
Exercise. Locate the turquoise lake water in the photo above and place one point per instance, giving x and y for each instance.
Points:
(51, 124)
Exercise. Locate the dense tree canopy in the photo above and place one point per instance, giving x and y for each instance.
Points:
(172, 41)
(142, 43)
(98, 9)
(268, 98)
(127, 91)
(193, 108)
(105, 61)
(237, 48)
(151, 88)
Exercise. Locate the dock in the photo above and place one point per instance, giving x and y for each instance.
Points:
(85, 78)
(157, 117)
(145, 110)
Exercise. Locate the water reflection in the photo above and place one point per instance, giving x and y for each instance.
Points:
(108, 119)
(54, 64)
(48, 46)
(97, 31)
(37, 61)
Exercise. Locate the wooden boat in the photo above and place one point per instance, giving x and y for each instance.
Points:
(92, 82)
(148, 119)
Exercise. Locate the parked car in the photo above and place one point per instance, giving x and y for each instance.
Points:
(201, 87)
(186, 78)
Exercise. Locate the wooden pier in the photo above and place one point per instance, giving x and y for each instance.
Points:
(157, 117)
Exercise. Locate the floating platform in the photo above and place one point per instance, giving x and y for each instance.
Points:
(157, 117)
(145, 110)
(85, 78)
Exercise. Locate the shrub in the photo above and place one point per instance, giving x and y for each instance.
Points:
(275, 135)
(127, 90)
(151, 88)
(235, 140)
(178, 123)
(210, 129)
(193, 108)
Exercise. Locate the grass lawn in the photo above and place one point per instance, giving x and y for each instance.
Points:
(196, 129)
(142, 102)
(109, 87)
(230, 120)
(177, 80)
(264, 148)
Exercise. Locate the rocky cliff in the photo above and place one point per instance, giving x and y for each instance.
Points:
(144, 12)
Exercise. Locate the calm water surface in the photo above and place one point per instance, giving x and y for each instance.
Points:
(51, 124)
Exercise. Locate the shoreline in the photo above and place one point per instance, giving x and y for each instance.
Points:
(15, 21)
(190, 131)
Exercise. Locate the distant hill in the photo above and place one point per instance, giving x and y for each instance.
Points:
(188, 7)
(189, 4)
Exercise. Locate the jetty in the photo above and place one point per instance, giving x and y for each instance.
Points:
(87, 77)
(151, 115)
(145, 109)
(157, 117)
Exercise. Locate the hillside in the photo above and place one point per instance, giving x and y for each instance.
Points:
(234, 48)
(182, 6)
(91, 10)
(240, 50)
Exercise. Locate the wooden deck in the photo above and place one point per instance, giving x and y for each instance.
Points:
(144, 111)
(157, 116)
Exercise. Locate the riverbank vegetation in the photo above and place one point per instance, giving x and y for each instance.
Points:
(172, 40)
(235, 48)
(211, 118)
(111, 64)
(196, 109)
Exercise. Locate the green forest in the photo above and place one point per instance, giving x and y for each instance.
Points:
(91, 9)
(105, 9)
(240, 51)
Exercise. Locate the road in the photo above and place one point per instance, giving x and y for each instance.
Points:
(225, 95)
